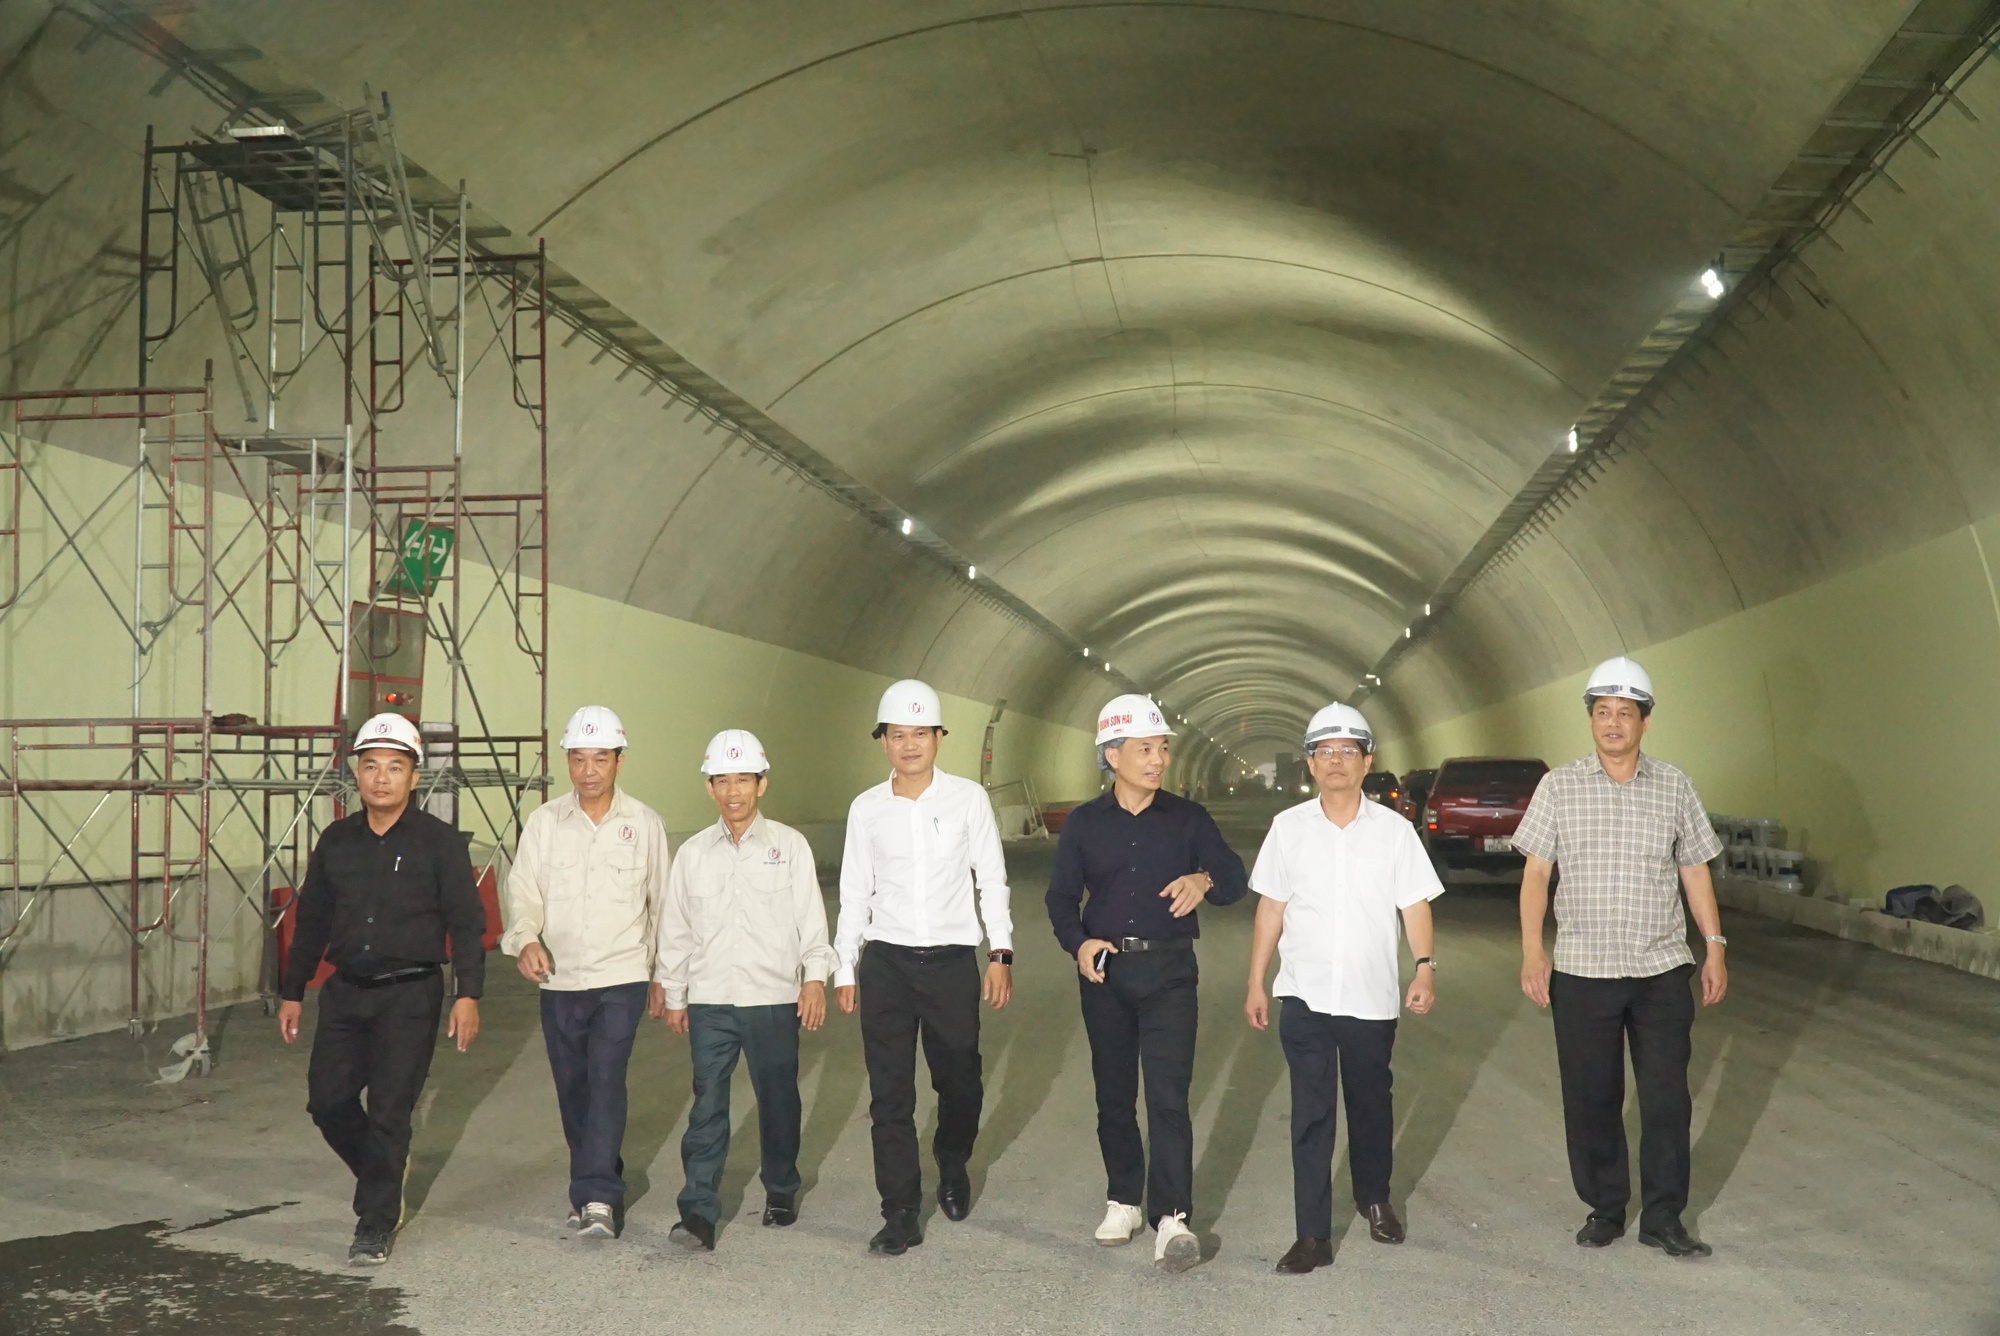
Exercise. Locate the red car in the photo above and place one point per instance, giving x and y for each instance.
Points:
(1474, 806)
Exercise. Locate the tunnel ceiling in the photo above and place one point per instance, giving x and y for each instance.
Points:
(1216, 332)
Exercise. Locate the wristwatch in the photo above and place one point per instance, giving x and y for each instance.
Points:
(1718, 939)
(1428, 960)
(1001, 958)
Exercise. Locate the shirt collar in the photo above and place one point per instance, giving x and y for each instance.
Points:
(752, 833)
(569, 805)
(1594, 765)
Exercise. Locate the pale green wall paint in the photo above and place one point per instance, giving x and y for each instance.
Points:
(63, 652)
(1861, 713)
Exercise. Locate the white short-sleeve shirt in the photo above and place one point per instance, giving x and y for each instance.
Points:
(1343, 892)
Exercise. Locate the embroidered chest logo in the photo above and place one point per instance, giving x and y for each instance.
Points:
(627, 834)
(773, 856)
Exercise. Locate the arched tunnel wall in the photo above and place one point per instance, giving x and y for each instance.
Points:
(1799, 550)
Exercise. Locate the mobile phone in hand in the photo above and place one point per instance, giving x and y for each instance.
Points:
(1103, 958)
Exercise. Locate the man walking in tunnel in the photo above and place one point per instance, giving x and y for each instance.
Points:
(743, 960)
(1146, 858)
(1334, 875)
(1631, 836)
(385, 890)
(582, 900)
(905, 953)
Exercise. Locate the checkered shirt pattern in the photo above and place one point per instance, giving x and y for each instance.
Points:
(1620, 848)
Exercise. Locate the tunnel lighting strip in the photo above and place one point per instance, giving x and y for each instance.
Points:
(1765, 247)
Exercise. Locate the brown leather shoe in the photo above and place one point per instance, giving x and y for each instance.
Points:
(1304, 1255)
(1383, 1226)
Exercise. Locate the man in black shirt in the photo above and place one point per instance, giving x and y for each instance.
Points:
(1147, 859)
(384, 889)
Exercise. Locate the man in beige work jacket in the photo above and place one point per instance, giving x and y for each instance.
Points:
(742, 964)
(582, 902)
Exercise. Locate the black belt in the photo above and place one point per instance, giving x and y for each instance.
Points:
(926, 953)
(393, 976)
(1125, 944)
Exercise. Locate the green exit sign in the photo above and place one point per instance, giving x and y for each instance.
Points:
(420, 563)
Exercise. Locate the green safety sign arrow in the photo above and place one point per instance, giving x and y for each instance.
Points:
(420, 564)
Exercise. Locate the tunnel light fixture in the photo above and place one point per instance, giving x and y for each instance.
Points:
(909, 526)
(1086, 651)
(1406, 633)
(972, 572)
(1427, 609)
(1573, 442)
(1711, 283)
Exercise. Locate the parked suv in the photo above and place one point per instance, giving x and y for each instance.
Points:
(1381, 786)
(1473, 808)
(1416, 788)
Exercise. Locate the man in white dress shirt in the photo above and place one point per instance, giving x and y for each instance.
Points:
(581, 901)
(742, 964)
(1333, 876)
(908, 940)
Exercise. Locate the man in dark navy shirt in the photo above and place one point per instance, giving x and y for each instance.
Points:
(385, 889)
(1147, 858)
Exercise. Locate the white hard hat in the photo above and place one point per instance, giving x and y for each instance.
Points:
(1131, 716)
(909, 702)
(1620, 677)
(594, 726)
(1340, 721)
(393, 731)
(734, 751)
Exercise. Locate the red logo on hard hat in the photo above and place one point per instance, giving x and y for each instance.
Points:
(916, 707)
(735, 752)
(588, 729)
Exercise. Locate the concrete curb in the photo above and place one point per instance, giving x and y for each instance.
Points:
(1974, 952)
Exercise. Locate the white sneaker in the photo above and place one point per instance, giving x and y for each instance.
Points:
(598, 1222)
(574, 1222)
(1121, 1222)
(1176, 1248)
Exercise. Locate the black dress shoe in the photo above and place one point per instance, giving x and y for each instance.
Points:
(693, 1233)
(1674, 1240)
(779, 1210)
(1304, 1255)
(1600, 1232)
(1383, 1226)
(899, 1234)
(954, 1195)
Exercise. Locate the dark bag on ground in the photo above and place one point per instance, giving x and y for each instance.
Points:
(1954, 906)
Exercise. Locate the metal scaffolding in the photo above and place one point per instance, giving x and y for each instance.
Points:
(333, 554)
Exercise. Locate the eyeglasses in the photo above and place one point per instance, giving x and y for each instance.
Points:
(1332, 753)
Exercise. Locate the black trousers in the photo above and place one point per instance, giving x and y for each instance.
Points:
(767, 1039)
(906, 993)
(378, 1040)
(1143, 1016)
(588, 1033)
(1595, 1020)
(1322, 1052)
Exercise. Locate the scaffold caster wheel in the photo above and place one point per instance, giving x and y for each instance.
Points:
(135, 1027)
(202, 1063)
(270, 1005)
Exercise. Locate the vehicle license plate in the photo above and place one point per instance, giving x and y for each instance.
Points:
(1499, 844)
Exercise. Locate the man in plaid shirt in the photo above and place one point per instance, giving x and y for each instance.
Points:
(1631, 835)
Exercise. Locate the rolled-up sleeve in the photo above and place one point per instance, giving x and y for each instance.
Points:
(1219, 861)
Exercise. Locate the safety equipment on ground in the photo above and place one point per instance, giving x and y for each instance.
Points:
(1339, 721)
(1132, 716)
(393, 731)
(594, 726)
(909, 702)
(734, 751)
(1619, 677)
